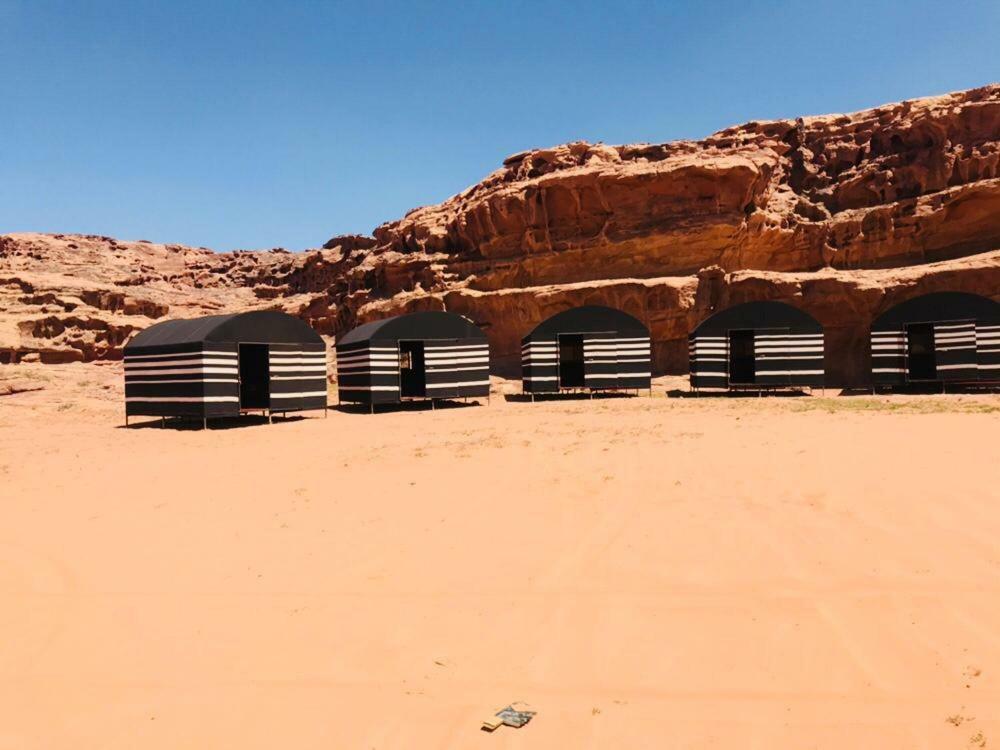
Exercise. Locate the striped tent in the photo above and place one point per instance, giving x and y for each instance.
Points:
(222, 365)
(939, 337)
(424, 355)
(590, 347)
(757, 345)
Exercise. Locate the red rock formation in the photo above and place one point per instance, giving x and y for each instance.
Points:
(842, 215)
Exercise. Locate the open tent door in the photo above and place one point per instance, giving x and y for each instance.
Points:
(921, 362)
(412, 370)
(255, 382)
(742, 362)
(571, 368)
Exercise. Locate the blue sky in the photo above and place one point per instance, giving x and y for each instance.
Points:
(261, 124)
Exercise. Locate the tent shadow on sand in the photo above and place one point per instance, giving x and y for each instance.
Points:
(182, 424)
(522, 398)
(924, 389)
(778, 393)
(406, 406)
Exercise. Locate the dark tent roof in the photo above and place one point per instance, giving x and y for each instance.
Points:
(259, 327)
(588, 319)
(434, 324)
(940, 307)
(756, 315)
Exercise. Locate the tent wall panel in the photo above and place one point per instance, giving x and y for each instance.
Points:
(708, 358)
(789, 359)
(600, 361)
(188, 380)
(988, 351)
(368, 373)
(889, 356)
(457, 368)
(540, 366)
(955, 348)
(297, 375)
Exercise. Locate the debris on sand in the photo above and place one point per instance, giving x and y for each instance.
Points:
(515, 715)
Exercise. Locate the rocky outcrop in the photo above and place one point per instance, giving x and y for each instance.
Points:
(842, 215)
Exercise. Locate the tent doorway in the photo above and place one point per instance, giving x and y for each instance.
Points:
(742, 363)
(412, 372)
(255, 384)
(571, 369)
(921, 362)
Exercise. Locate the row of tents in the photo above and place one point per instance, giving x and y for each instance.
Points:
(225, 365)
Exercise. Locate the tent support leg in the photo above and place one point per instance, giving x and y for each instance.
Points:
(163, 422)
(270, 419)
(204, 423)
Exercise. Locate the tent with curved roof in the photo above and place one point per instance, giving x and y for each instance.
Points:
(221, 365)
(590, 347)
(757, 345)
(422, 355)
(938, 337)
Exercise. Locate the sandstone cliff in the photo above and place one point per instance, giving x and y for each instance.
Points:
(843, 215)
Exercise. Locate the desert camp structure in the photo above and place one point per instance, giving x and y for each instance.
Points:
(423, 355)
(937, 338)
(757, 345)
(225, 365)
(591, 348)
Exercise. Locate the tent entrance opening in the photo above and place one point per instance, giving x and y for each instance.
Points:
(742, 364)
(255, 384)
(571, 369)
(921, 363)
(412, 373)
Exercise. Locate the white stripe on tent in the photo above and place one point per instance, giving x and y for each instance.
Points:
(298, 368)
(197, 381)
(183, 399)
(205, 352)
(368, 388)
(188, 371)
(789, 372)
(458, 384)
(174, 363)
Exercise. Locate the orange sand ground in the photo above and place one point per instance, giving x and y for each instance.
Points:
(661, 573)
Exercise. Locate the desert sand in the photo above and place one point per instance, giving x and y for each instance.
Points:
(645, 572)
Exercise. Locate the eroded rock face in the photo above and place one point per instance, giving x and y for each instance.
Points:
(842, 215)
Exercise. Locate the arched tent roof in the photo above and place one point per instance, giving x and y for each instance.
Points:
(939, 307)
(756, 315)
(434, 324)
(588, 319)
(258, 327)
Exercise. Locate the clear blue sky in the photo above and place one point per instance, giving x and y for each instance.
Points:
(252, 124)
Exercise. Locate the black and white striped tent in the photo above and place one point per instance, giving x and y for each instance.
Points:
(222, 365)
(940, 337)
(590, 347)
(757, 345)
(424, 355)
